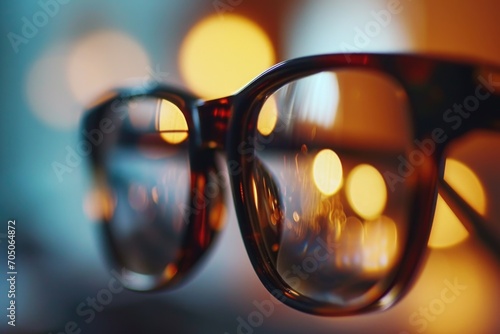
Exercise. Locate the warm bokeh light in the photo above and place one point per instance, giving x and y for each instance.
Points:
(255, 194)
(447, 230)
(103, 61)
(172, 123)
(366, 191)
(466, 183)
(170, 271)
(98, 204)
(350, 251)
(268, 117)
(218, 56)
(454, 294)
(379, 244)
(327, 172)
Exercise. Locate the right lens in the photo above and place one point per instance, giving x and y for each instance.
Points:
(332, 182)
(157, 223)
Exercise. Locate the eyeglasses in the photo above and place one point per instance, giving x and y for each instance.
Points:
(334, 161)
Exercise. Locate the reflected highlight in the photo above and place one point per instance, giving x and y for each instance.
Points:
(318, 98)
(327, 172)
(366, 191)
(268, 117)
(172, 123)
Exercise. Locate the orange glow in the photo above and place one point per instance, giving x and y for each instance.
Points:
(466, 183)
(366, 191)
(255, 194)
(379, 244)
(327, 172)
(447, 230)
(455, 293)
(268, 117)
(218, 56)
(170, 271)
(172, 123)
(154, 194)
(98, 204)
(350, 244)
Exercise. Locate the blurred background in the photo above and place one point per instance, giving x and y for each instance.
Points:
(58, 55)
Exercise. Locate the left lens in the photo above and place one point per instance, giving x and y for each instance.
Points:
(163, 213)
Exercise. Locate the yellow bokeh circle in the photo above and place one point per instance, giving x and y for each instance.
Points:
(366, 191)
(447, 230)
(327, 172)
(219, 56)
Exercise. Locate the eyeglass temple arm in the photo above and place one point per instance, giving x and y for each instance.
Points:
(472, 221)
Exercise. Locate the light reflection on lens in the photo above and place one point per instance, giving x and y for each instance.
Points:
(268, 116)
(255, 194)
(380, 244)
(170, 271)
(154, 194)
(171, 123)
(327, 172)
(318, 98)
(350, 247)
(366, 191)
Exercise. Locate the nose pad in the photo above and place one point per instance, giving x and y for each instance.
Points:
(269, 208)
